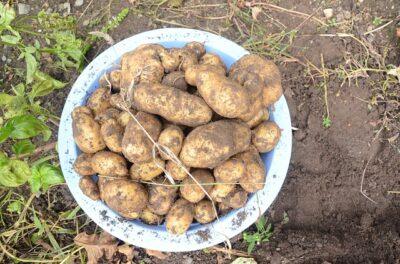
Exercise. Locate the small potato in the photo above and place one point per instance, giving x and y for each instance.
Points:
(83, 164)
(197, 48)
(86, 131)
(220, 191)
(230, 171)
(172, 139)
(148, 170)
(99, 101)
(107, 114)
(176, 171)
(136, 146)
(112, 134)
(254, 178)
(180, 217)
(115, 79)
(266, 136)
(109, 163)
(175, 79)
(262, 115)
(223, 209)
(116, 101)
(191, 190)
(89, 188)
(150, 218)
(161, 196)
(204, 212)
(125, 197)
(212, 59)
(236, 199)
(124, 118)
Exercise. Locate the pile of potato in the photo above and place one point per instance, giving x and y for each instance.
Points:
(214, 121)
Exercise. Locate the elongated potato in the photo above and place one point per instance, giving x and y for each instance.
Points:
(192, 72)
(175, 79)
(204, 212)
(172, 139)
(236, 199)
(150, 218)
(230, 171)
(112, 134)
(86, 131)
(209, 145)
(83, 164)
(109, 163)
(125, 197)
(191, 190)
(148, 170)
(136, 146)
(89, 188)
(254, 178)
(266, 136)
(197, 47)
(99, 101)
(107, 114)
(171, 103)
(161, 196)
(261, 116)
(176, 171)
(180, 217)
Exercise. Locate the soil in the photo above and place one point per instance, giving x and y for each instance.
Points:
(330, 220)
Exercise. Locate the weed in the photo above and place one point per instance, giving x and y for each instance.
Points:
(263, 234)
(377, 21)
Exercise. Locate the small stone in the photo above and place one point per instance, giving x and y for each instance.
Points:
(78, 3)
(8, 61)
(328, 13)
(187, 260)
(65, 6)
(23, 9)
(86, 22)
(4, 58)
(347, 15)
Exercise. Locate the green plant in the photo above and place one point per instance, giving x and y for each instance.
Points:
(263, 234)
(377, 21)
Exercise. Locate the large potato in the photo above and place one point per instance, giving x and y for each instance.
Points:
(171, 103)
(175, 79)
(176, 171)
(209, 145)
(86, 131)
(172, 139)
(136, 146)
(266, 136)
(147, 171)
(99, 101)
(180, 217)
(126, 197)
(192, 72)
(83, 164)
(89, 188)
(109, 163)
(204, 212)
(112, 133)
(254, 178)
(191, 190)
(150, 218)
(161, 196)
(236, 199)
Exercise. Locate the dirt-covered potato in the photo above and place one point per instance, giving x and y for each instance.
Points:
(265, 136)
(254, 177)
(109, 163)
(172, 138)
(107, 114)
(197, 47)
(172, 104)
(191, 190)
(150, 218)
(86, 131)
(126, 197)
(116, 101)
(180, 217)
(176, 171)
(161, 196)
(185, 57)
(236, 199)
(208, 145)
(99, 101)
(147, 171)
(261, 116)
(212, 59)
(175, 79)
(83, 164)
(136, 146)
(112, 133)
(204, 212)
(230, 171)
(192, 72)
(220, 191)
(89, 188)
(223, 209)
(101, 182)
(115, 79)
(124, 118)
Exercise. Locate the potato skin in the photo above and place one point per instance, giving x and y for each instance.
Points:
(161, 197)
(175, 79)
(171, 138)
(197, 47)
(99, 101)
(185, 58)
(89, 188)
(107, 114)
(125, 197)
(230, 171)
(180, 217)
(266, 136)
(86, 131)
(124, 118)
(109, 163)
(254, 178)
(212, 59)
(150, 218)
(204, 212)
(112, 134)
(192, 72)
(116, 101)
(176, 172)
(191, 191)
(115, 79)
(148, 170)
(101, 182)
(262, 115)
(220, 191)
(83, 164)
(236, 199)
(136, 146)
(172, 104)
(208, 145)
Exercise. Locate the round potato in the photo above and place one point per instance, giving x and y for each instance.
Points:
(125, 197)
(148, 170)
(172, 139)
(230, 171)
(212, 59)
(175, 79)
(150, 218)
(99, 101)
(109, 113)
(236, 199)
(112, 133)
(176, 171)
(204, 212)
(261, 116)
(180, 217)
(191, 190)
(86, 131)
(89, 188)
(254, 178)
(197, 47)
(266, 136)
(83, 164)
(109, 163)
(161, 196)
(124, 118)
(220, 191)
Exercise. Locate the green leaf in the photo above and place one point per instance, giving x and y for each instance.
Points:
(23, 147)
(5, 133)
(14, 207)
(31, 66)
(7, 14)
(38, 224)
(261, 223)
(43, 176)
(19, 90)
(10, 39)
(13, 173)
(25, 126)
(70, 214)
(5, 99)
(44, 84)
(251, 247)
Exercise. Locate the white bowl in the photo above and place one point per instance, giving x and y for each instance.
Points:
(156, 237)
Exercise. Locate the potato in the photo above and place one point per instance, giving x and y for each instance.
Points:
(236, 199)
(212, 59)
(254, 178)
(99, 101)
(180, 217)
(191, 190)
(148, 170)
(116, 101)
(185, 58)
(220, 191)
(150, 218)
(172, 104)
(124, 118)
(83, 164)
(86, 131)
(230, 171)
(171, 138)
(126, 197)
(89, 188)
(204, 212)
(101, 182)
(197, 47)
(223, 208)
(109, 163)
(136, 146)
(208, 145)
(112, 134)
(107, 114)
(176, 171)
(262, 115)
(192, 72)
(266, 136)
(175, 79)
(161, 196)
(115, 79)
(265, 69)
